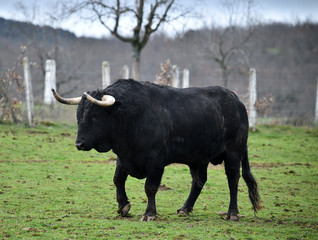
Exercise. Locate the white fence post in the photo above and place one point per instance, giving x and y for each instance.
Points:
(185, 78)
(105, 74)
(175, 76)
(28, 90)
(316, 112)
(49, 81)
(252, 98)
(125, 72)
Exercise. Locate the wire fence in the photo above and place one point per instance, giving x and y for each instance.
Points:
(283, 100)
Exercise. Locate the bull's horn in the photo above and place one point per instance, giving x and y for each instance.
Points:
(107, 100)
(69, 101)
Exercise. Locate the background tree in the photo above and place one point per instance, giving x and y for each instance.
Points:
(226, 44)
(46, 42)
(141, 18)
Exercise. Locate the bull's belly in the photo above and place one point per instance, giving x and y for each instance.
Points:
(196, 154)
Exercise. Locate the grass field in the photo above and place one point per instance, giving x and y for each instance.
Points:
(49, 190)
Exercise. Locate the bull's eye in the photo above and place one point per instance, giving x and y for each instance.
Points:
(94, 117)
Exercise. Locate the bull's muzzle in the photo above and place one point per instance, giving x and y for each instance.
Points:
(80, 146)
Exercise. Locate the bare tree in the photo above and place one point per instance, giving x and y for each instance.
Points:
(225, 44)
(142, 17)
(45, 42)
(33, 14)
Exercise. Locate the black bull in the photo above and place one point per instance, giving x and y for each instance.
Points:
(150, 126)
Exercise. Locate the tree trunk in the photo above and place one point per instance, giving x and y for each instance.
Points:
(136, 63)
(225, 77)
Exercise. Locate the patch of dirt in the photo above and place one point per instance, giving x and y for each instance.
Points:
(36, 132)
(271, 165)
(65, 134)
(108, 161)
(164, 188)
(266, 165)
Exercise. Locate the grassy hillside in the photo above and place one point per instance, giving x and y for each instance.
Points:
(50, 190)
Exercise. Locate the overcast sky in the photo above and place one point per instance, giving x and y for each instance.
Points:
(212, 12)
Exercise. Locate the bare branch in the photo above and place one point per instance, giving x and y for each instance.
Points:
(148, 28)
(164, 16)
(147, 17)
(230, 40)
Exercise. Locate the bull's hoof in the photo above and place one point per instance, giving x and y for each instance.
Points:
(124, 211)
(234, 218)
(148, 218)
(182, 212)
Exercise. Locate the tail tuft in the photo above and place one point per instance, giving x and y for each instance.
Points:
(251, 184)
(252, 190)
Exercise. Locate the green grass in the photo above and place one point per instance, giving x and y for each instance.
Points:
(49, 190)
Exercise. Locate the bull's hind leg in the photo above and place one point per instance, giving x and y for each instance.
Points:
(232, 170)
(199, 177)
(119, 181)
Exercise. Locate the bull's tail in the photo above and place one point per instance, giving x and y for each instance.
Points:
(251, 183)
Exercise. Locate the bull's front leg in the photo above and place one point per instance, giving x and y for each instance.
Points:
(120, 178)
(151, 188)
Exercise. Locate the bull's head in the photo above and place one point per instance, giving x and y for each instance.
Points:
(91, 119)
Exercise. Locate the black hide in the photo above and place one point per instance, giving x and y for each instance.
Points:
(151, 126)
